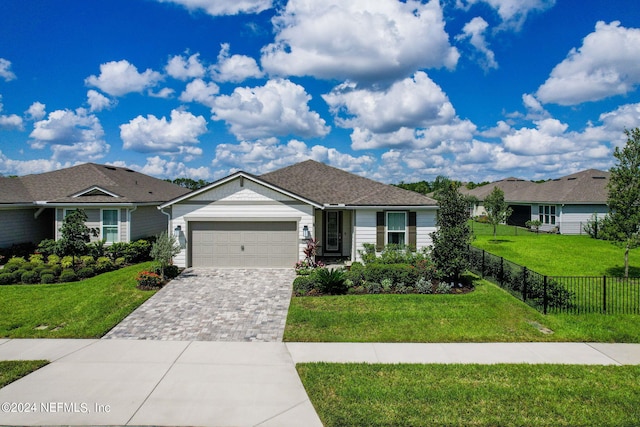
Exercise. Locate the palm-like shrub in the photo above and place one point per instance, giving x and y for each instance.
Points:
(331, 281)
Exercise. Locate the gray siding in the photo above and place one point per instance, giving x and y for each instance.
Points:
(147, 221)
(573, 217)
(20, 226)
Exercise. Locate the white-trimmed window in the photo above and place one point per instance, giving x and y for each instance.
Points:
(397, 228)
(110, 225)
(547, 214)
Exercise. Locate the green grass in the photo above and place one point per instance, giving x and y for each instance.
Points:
(555, 254)
(488, 314)
(86, 309)
(12, 370)
(473, 395)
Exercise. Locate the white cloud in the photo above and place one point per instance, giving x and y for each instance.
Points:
(182, 68)
(267, 155)
(360, 40)
(512, 12)
(605, 65)
(98, 102)
(72, 136)
(200, 91)
(163, 168)
(5, 71)
(236, 68)
(223, 7)
(548, 137)
(412, 102)
(278, 108)
(474, 31)
(164, 93)
(118, 78)
(10, 122)
(36, 111)
(179, 136)
(25, 167)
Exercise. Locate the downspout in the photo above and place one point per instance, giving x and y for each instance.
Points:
(169, 219)
(129, 212)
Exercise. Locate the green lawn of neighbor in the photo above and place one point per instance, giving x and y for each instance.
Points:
(85, 309)
(473, 395)
(556, 254)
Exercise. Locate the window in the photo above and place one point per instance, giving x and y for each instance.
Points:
(396, 227)
(110, 225)
(547, 214)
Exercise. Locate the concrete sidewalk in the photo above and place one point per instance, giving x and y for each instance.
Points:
(133, 382)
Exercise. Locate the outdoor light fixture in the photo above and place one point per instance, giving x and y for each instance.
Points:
(305, 232)
(177, 231)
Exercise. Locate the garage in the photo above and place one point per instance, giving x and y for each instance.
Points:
(245, 244)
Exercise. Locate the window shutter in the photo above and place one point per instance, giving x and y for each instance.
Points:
(379, 231)
(413, 240)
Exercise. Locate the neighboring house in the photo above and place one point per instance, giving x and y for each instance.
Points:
(509, 186)
(563, 205)
(244, 220)
(119, 202)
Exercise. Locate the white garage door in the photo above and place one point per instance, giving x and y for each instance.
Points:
(243, 244)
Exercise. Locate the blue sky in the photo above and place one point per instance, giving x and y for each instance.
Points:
(392, 90)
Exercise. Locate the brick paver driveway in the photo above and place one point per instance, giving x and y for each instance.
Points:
(206, 304)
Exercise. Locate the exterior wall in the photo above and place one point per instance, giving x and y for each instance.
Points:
(147, 221)
(573, 217)
(20, 226)
(236, 201)
(365, 229)
(94, 220)
(347, 232)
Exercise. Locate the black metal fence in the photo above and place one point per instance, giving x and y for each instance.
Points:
(558, 294)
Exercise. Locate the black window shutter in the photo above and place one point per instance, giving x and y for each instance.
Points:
(380, 217)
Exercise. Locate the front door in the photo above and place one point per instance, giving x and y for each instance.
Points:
(333, 232)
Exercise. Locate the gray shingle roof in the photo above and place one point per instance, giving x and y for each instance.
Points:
(588, 186)
(60, 186)
(327, 185)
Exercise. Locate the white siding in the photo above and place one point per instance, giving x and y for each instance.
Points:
(425, 225)
(232, 202)
(573, 217)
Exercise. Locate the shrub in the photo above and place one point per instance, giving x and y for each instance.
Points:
(373, 287)
(104, 264)
(170, 271)
(368, 253)
(17, 250)
(30, 277)
(66, 261)
(149, 280)
(17, 275)
(47, 278)
(56, 269)
(36, 259)
(6, 279)
(386, 285)
(137, 251)
(68, 275)
(401, 288)
(443, 288)
(53, 259)
(96, 249)
(86, 272)
(27, 266)
(331, 281)
(49, 247)
(303, 284)
(424, 286)
(15, 260)
(120, 261)
(11, 267)
(116, 250)
(397, 273)
(356, 273)
(87, 260)
(46, 271)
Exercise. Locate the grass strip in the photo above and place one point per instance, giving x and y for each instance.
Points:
(12, 370)
(86, 309)
(473, 395)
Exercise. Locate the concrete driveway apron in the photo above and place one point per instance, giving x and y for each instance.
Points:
(207, 304)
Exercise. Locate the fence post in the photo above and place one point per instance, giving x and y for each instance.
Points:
(545, 301)
(524, 284)
(604, 294)
(482, 268)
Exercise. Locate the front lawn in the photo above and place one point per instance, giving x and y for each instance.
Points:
(488, 314)
(473, 395)
(555, 254)
(86, 309)
(13, 370)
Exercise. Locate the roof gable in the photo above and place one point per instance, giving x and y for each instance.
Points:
(95, 191)
(326, 186)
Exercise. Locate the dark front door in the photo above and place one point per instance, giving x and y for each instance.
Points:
(333, 231)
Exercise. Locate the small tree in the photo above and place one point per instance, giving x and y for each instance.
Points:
(498, 211)
(535, 224)
(74, 234)
(622, 225)
(164, 249)
(451, 240)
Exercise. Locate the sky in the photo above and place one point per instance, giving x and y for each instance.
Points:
(475, 90)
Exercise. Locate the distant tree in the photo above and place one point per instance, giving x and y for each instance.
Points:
(189, 183)
(498, 211)
(164, 249)
(74, 234)
(622, 225)
(451, 240)
(471, 185)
